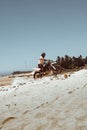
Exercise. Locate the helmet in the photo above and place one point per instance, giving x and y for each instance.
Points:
(43, 54)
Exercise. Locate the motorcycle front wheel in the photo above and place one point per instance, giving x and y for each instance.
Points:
(37, 75)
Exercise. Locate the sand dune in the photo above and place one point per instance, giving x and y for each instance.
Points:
(45, 104)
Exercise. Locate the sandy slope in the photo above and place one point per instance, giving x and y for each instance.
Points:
(5, 81)
(45, 104)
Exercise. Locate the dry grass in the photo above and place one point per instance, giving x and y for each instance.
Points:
(5, 81)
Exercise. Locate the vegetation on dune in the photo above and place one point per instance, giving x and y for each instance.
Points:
(68, 62)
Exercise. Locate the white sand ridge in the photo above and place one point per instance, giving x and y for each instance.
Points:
(45, 104)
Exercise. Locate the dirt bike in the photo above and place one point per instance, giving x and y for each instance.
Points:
(48, 69)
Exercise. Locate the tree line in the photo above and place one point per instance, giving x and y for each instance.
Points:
(68, 62)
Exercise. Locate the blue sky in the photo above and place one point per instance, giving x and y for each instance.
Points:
(30, 27)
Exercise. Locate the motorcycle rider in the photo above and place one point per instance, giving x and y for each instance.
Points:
(41, 61)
